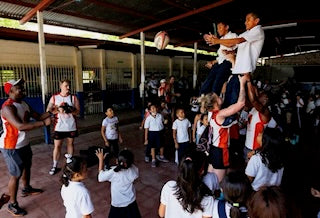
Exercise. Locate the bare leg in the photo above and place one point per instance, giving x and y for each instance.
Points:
(70, 145)
(13, 188)
(161, 151)
(153, 153)
(57, 150)
(26, 177)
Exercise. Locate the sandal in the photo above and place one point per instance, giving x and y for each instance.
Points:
(4, 199)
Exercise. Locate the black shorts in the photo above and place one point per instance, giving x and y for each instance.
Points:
(17, 159)
(130, 211)
(154, 139)
(219, 157)
(62, 135)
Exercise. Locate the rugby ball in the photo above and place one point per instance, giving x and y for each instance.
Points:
(161, 40)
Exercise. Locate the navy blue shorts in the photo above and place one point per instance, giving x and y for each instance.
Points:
(219, 157)
(17, 159)
(154, 139)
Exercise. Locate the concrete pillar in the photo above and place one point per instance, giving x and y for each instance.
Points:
(170, 66)
(79, 79)
(195, 65)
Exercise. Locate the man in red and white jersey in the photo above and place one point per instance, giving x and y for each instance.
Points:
(258, 119)
(14, 142)
(65, 107)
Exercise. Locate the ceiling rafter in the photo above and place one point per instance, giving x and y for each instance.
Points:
(40, 7)
(168, 2)
(130, 11)
(181, 16)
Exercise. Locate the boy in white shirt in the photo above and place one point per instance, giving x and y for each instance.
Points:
(153, 129)
(111, 135)
(250, 44)
(181, 133)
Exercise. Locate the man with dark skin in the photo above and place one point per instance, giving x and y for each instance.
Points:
(14, 142)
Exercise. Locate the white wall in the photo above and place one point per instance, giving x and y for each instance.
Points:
(16, 52)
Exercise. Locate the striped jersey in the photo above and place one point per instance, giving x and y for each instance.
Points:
(255, 126)
(220, 135)
(12, 138)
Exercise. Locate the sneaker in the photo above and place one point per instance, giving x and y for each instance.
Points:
(15, 210)
(229, 121)
(54, 170)
(153, 163)
(4, 199)
(162, 159)
(146, 159)
(31, 191)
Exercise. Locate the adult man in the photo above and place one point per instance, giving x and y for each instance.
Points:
(220, 69)
(65, 107)
(14, 142)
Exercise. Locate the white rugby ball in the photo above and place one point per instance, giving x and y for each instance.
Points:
(161, 40)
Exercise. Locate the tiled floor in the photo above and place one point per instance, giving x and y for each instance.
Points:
(49, 203)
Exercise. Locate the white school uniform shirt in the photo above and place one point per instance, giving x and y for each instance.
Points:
(154, 123)
(221, 57)
(76, 199)
(123, 192)
(200, 129)
(182, 127)
(261, 173)
(174, 208)
(249, 51)
(111, 125)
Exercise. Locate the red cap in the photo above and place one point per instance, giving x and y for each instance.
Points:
(8, 85)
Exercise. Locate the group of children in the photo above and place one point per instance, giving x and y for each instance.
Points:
(76, 197)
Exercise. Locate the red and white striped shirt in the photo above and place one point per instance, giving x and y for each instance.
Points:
(255, 126)
(12, 138)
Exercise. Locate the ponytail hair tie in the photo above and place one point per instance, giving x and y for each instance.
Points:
(236, 204)
(68, 157)
(188, 158)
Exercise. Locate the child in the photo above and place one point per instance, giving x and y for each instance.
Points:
(250, 44)
(202, 132)
(110, 134)
(267, 165)
(122, 176)
(236, 191)
(188, 196)
(75, 195)
(181, 133)
(153, 129)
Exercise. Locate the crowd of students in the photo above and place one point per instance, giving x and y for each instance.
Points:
(230, 146)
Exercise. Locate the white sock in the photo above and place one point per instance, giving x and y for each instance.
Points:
(55, 163)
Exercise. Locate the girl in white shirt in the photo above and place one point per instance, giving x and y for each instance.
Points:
(122, 176)
(266, 166)
(188, 196)
(75, 195)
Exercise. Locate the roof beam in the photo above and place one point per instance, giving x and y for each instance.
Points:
(179, 17)
(40, 7)
(129, 11)
(168, 2)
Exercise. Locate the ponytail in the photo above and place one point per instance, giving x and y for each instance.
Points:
(125, 160)
(73, 165)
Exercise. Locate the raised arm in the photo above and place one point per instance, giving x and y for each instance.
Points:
(263, 109)
(234, 108)
(213, 40)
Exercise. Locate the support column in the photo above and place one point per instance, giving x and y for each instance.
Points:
(103, 77)
(195, 65)
(79, 79)
(170, 66)
(133, 79)
(143, 66)
(43, 69)
(181, 67)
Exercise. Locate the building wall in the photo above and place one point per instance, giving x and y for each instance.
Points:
(16, 52)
